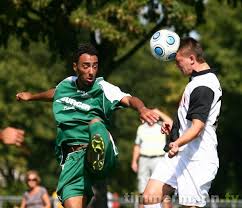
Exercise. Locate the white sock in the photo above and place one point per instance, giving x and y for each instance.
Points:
(159, 205)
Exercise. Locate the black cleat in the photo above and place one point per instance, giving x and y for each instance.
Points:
(95, 154)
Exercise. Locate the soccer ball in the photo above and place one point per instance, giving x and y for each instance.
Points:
(164, 45)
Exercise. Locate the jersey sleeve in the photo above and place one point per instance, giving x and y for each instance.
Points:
(201, 100)
(112, 96)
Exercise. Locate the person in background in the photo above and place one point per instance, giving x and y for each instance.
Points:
(11, 135)
(36, 196)
(148, 150)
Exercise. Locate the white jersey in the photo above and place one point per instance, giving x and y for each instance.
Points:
(201, 100)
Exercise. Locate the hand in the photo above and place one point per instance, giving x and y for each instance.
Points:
(12, 136)
(166, 127)
(174, 148)
(134, 166)
(23, 96)
(149, 116)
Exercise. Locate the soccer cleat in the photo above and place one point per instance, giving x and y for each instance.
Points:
(95, 154)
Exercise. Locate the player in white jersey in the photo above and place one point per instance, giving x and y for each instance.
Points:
(191, 162)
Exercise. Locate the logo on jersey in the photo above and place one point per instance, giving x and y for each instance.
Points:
(72, 102)
(84, 94)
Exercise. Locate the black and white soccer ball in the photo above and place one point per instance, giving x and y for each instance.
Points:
(164, 44)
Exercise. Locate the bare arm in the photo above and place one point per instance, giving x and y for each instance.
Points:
(12, 135)
(135, 158)
(23, 203)
(163, 116)
(46, 200)
(191, 134)
(41, 96)
(145, 114)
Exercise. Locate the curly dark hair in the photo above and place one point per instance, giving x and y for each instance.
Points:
(84, 48)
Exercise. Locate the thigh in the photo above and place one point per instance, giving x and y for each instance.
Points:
(73, 180)
(156, 191)
(194, 181)
(75, 202)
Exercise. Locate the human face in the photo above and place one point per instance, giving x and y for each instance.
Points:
(184, 63)
(86, 69)
(32, 181)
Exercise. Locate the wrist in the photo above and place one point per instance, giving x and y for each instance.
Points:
(178, 143)
(140, 109)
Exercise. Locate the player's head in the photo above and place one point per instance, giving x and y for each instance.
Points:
(189, 54)
(32, 178)
(84, 48)
(189, 46)
(85, 64)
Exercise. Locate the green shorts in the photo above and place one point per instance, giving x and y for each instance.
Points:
(74, 179)
(77, 176)
(110, 152)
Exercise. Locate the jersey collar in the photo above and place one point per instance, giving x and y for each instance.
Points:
(195, 73)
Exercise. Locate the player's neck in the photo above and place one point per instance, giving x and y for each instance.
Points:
(202, 67)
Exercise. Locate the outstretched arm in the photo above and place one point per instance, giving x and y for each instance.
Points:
(41, 96)
(163, 116)
(145, 114)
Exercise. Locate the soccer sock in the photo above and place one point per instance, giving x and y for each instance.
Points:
(153, 205)
(99, 129)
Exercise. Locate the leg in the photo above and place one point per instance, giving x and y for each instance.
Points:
(101, 151)
(156, 191)
(188, 206)
(74, 185)
(143, 176)
(75, 202)
(99, 200)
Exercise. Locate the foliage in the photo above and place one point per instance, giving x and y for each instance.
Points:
(57, 26)
(30, 70)
(222, 38)
(64, 23)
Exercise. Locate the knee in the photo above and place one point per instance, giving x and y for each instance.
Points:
(94, 121)
(151, 197)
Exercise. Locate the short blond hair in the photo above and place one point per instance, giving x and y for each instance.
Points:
(33, 172)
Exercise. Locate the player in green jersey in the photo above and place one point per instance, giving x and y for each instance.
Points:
(82, 107)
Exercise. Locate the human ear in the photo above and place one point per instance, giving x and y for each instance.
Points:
(74, 67)
(192, 58)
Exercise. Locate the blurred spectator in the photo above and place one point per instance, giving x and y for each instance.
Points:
(113, 200)
(36, 196)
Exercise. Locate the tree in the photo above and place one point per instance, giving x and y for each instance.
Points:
(221, 36)
(31, 70)
(64, 23)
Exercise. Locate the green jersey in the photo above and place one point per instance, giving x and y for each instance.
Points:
(74, 108)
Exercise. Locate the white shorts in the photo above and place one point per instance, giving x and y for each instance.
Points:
(191, 178)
